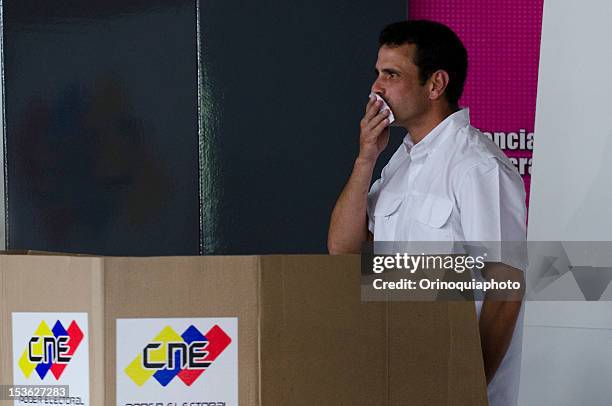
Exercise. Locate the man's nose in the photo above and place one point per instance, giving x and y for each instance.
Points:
(377, 88)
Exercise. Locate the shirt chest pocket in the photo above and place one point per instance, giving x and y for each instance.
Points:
(386, 216)
(430, 218)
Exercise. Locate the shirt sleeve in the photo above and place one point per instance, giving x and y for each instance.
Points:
(372, 194)
(491, 200)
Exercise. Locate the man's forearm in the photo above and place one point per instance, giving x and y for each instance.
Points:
(498, 316)
(497, 322)
(348, 224)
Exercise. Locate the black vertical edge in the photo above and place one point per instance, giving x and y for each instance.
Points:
(5, 207)
(200, 130)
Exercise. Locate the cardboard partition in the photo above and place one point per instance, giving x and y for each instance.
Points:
(247, 330)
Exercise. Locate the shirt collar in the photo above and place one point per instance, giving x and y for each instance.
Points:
(436, 136)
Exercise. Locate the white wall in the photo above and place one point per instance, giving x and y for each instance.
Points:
(567, 346)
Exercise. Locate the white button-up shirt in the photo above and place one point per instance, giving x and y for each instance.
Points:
(455, 185)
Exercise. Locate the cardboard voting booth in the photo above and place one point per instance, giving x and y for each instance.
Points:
(238, 330)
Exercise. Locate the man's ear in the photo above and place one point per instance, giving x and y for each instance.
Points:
(438, 81)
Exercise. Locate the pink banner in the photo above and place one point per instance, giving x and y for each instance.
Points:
(503, 42)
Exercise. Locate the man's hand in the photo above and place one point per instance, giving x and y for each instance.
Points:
(374, 135)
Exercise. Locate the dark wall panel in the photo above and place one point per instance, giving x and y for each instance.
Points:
(286, 85)
(101, 126)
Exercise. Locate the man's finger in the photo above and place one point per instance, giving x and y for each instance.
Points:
(372, 110)
(371, 101)
(381, 126)
(374, 122)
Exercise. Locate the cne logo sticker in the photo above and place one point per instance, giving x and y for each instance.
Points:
(170, 355)
(50, 349)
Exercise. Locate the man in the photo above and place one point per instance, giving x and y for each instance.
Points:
(446, 182)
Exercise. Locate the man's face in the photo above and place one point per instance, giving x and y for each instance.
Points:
(398, 83)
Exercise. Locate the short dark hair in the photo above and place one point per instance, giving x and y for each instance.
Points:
(437, 47)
